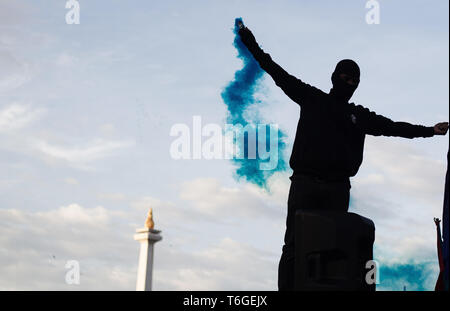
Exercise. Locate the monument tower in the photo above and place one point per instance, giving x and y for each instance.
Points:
(147, 237)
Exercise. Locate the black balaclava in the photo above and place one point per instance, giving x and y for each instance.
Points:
(341, 89)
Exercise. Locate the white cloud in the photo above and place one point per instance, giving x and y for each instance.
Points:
(398, 184)
(38, 244)
(229, 265)
(405, 170)
(401, 189)
(208, 197)
(81, 156)
(76, 214)
(17, 116)
(166, 214)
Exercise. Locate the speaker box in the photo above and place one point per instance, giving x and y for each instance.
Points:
(331, 251)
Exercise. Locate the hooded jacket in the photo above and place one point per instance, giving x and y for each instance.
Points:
(330, 135)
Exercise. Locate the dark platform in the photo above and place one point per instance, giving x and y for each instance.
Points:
(331, 251)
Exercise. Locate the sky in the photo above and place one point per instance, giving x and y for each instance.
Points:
(85, 116)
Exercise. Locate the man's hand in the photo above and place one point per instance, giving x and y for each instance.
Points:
(246, 36)
(441, 128)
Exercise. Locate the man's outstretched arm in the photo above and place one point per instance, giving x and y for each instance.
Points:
(291, 86)
(378, 125)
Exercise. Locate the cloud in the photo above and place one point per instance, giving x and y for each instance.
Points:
(81, 156)
(405, 170)
(76, 214)
(35, 247)
(401, 189)
(166, 214)
(224, 263)
(209, 201)
(17, 116)
(229, 265)
(210, 198)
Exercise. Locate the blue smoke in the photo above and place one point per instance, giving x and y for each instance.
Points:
(420, 276)
(239, 97)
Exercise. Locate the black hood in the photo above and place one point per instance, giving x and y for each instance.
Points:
(341, 89)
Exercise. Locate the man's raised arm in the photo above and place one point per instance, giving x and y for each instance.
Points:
(377, 125)
(291, 86)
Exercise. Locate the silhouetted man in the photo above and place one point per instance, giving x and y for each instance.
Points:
(328, 146)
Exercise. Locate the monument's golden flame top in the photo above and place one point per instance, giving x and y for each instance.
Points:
(149, 223)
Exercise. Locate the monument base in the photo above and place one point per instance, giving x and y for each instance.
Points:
(332, 250)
